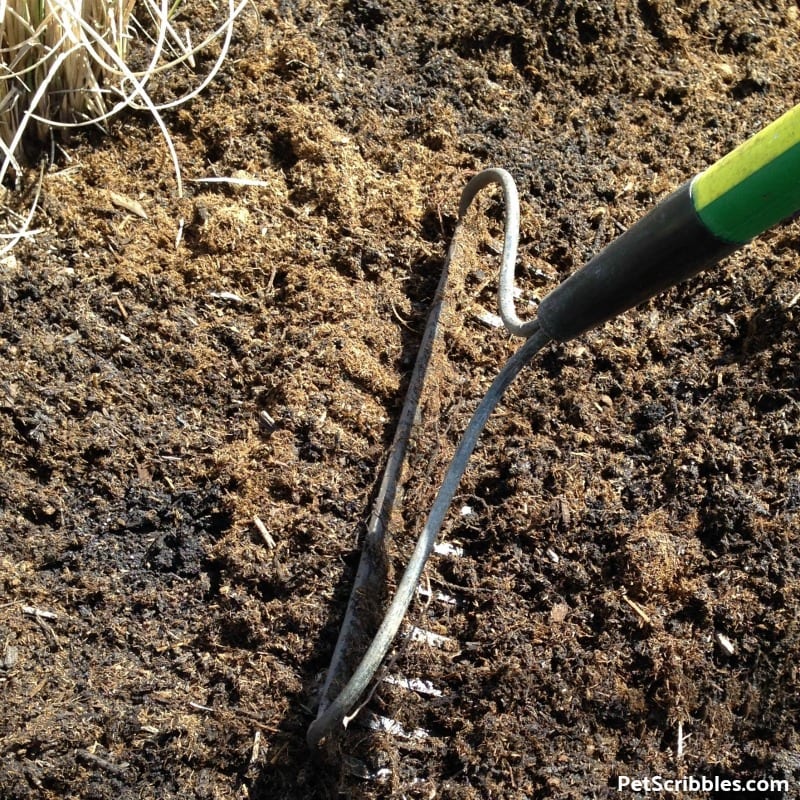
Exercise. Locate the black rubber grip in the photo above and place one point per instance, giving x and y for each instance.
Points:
(665, 247)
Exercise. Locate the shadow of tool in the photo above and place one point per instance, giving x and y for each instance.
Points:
(293, 770)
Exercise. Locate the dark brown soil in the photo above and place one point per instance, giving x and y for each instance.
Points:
(635, 499)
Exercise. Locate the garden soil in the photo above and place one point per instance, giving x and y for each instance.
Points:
(198, 395)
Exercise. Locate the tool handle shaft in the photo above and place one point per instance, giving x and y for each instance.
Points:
(755, 186)
(740, 196)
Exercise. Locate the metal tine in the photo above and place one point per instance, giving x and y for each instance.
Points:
(370, 577)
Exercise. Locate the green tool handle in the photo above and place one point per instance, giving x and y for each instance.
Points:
(743, 194)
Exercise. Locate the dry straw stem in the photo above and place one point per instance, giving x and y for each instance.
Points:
(52, 68)
(65, 64)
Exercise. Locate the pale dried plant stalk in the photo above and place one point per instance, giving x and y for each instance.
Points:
(33, 34)
(64, 64)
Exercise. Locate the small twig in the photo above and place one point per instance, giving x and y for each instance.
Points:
(38, 612)
(232, 296)
(90, 759)
(265, 534)
(256, 747)
(235, 710)
(638, 609)
(179, 233)
(128, 204)
(49, 633)
(681, 740)
(726, 644)
(267, 420)
(232, 181)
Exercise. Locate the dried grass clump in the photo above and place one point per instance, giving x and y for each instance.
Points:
(65, 64)
(47, 64)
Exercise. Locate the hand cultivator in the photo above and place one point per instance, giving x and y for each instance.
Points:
(742, 195)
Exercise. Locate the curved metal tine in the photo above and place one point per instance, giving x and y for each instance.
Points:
(336, 713)
(333, 710)
(505, 295)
